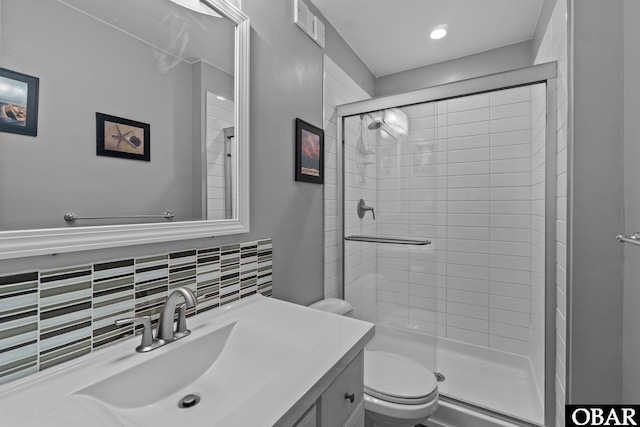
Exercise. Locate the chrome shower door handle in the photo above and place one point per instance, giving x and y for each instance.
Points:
(362, 208)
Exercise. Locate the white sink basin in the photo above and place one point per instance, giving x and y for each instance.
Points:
(249, 362)
(161, 377)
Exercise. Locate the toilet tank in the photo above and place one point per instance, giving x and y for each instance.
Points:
(334, 305)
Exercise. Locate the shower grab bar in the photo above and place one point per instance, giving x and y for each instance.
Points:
(71, 217)
(388, 240)
(634, 238)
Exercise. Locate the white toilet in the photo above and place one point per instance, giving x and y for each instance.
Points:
(398, 392)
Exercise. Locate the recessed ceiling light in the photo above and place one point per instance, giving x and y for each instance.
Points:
(438, 33)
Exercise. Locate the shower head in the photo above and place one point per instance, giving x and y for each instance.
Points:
(377, 120)
(375, 124)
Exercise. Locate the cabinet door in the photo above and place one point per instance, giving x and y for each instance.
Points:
(309, 419)
(357, 417)
(344, 394)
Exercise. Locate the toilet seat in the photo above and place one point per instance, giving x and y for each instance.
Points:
(397, 379)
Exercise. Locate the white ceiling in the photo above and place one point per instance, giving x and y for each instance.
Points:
(393, 35)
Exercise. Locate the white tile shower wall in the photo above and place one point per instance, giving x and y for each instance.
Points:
(219, 116)
(339, 88)
(360, 183)
(462, 178)
(485, 210)
(406, 186)
(554, 48)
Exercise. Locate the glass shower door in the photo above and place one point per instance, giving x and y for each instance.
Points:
(469, 175)
(491, 249)
(389, 229)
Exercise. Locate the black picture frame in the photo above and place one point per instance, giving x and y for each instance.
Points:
(18, 103)
(309, 153)
(124, 138)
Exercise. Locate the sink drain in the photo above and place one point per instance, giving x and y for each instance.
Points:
(439, 376)
(189, 401)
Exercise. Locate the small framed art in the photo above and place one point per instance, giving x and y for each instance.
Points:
(118, 137)
(18, 103)
(309, 153)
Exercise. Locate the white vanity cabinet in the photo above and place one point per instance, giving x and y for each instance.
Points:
(310, 419)
(341, 404)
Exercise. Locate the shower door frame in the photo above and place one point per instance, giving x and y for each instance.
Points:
(542, 73)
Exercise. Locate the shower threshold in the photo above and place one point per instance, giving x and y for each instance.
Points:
(452, 412)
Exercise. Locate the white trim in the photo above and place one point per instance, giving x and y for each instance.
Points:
(506, 79)
(17, 244)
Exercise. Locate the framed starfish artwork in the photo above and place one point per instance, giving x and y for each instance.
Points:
(118, 137)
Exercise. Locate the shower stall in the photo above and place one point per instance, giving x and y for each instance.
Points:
(448, 235)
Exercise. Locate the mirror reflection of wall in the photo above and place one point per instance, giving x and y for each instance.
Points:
(221, 151)
(148, 61)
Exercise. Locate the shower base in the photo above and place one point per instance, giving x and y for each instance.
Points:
(492, 379)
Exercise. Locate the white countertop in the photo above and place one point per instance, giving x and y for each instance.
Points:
(260, 385)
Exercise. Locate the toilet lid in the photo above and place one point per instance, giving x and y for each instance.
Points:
(397, 379)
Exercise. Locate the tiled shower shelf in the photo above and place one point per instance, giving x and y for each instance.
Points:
(49, 317)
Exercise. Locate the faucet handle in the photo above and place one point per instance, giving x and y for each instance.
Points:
(362, 208)
(147, 331)
(181, 327)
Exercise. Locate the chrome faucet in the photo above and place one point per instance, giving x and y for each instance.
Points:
(165, 333)
(165, 324)
(362, 208)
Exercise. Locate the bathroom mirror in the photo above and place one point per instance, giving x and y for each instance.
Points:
(132, 98)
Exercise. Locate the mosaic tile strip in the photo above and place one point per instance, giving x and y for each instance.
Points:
(182, 273)
(18, 325)
(65, 315)
(151, 286)
(248, 269)
(229, 274)
(53, 316)
(265, 267)
(113, 298)
(208, 279)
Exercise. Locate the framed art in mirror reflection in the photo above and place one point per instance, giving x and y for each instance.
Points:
(118, 137)
(18, 103)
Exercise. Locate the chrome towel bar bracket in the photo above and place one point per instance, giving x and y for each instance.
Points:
(634, 238)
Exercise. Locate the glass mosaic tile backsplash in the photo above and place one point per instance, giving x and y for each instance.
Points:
(50, 317)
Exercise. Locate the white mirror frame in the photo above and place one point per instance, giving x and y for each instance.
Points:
(24, 243)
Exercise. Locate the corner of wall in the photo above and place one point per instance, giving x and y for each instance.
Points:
(546, 11)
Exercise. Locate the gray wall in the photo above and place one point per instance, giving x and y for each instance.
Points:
(541, 27)
(631, 318)
(286, 82)
(504, 58)
(342, 54)
(596, 150)
(58, 171)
